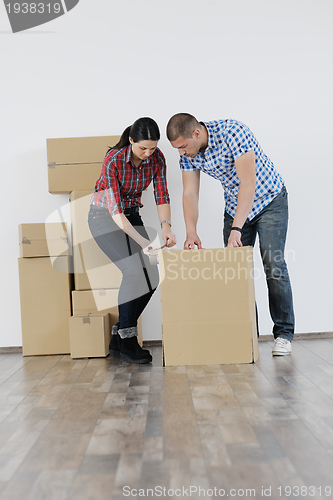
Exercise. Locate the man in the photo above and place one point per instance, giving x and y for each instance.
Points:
(255, 202)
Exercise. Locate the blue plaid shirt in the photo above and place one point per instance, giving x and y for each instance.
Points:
(227, 141)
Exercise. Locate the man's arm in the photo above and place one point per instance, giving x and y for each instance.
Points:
(191, 184)
(246, 171)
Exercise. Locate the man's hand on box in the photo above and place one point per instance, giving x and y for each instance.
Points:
(192, 241)
(234, 239)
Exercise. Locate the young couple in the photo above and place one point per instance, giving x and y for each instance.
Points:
(255, 203)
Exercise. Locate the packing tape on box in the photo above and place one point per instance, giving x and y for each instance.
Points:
(86, 319)
(101, 292)
(153, 255)
(25, 240)
(51, 164)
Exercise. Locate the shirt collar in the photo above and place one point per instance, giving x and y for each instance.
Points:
(128, 156)
(211, 141)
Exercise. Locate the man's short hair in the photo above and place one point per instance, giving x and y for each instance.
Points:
(181, 125)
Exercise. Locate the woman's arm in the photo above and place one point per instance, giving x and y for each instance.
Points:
(124, 224)
(164, 214)
(162, 200)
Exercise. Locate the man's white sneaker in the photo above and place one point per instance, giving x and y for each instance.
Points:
(281, 347)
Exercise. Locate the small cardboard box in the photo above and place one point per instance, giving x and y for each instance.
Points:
(90, 335)
(86, 302)
(75, 163)
(43, 240)
(45, 305)
(208, 307)
(95, 301)
(92, 268)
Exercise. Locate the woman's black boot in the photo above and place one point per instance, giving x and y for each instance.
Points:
(130, 350)
(114, 346)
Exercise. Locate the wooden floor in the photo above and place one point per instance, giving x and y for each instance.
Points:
(86, 429)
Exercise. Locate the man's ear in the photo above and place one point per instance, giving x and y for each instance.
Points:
(196, 134)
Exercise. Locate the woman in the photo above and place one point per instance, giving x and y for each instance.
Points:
(116, 225)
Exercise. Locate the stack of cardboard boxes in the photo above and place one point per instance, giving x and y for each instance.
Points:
(74, 165)
(45, 288)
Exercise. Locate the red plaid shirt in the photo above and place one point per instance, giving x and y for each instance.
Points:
(121, 183)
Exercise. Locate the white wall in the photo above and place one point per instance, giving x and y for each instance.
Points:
(96, 69)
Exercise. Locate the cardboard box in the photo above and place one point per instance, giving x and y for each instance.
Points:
(43, 240)
(75, 164)
(92, 268)
(45, 305)
(90, 335)
(86, 302)
(95, 301)
(208, 307)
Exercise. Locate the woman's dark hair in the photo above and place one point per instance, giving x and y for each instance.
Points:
(143, 129)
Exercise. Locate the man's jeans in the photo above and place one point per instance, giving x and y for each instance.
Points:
(140, 278)
(271, 226)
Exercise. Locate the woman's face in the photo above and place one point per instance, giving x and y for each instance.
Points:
(143, 149)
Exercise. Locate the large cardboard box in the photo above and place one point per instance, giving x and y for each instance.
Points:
(75, 163)
(43, 240)
(45, 305)
(92, 268)
(102, 301)
(90, 335)
(208, 306)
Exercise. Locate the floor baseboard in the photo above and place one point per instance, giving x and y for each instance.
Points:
(158, 343)
(152, 343)
(262, 338)
(300, 336)
(11, 350)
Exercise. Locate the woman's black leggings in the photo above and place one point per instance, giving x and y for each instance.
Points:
(140, 278)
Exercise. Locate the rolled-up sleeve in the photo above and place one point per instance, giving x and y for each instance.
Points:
(160, 183)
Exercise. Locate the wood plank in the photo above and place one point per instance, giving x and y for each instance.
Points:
(84, 429)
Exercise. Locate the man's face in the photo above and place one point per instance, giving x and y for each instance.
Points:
(187, 147)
